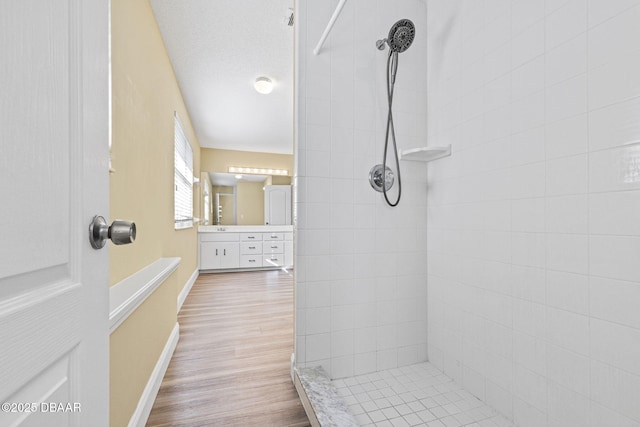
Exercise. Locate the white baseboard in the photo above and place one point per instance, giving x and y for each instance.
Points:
(141, 414)
(187, 288)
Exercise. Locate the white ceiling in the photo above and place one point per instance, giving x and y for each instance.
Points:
(218, 48)
(230, 180)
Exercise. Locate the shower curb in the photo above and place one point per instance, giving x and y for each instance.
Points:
(328, 408)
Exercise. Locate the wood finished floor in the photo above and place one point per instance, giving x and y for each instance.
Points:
(231, 365)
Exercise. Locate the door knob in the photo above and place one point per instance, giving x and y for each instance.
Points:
(120, 232)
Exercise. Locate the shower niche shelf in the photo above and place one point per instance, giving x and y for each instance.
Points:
(425, 154)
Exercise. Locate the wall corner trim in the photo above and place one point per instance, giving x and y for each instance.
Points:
(145, 404)
(126, 295)
(187, 288)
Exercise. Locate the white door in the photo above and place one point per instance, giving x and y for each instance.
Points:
(54, 137)
(277, 205)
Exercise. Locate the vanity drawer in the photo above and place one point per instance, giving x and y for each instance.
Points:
(250, 237)
(249, 261)
(250, 248)
(272, 236)
(273, 260)
(275, 247)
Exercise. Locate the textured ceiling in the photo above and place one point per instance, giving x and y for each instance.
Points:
(230, 180)
(218, 48)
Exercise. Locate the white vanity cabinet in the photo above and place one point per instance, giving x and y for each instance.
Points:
(245, 247)
(219, 251)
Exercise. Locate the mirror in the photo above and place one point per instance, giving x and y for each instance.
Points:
(240, 199)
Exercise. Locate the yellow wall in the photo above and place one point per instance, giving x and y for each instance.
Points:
(215, 160)
(227, 203)
(145, 96)
(135, 348)
(250, 203)
(222, 189)
(281, 180)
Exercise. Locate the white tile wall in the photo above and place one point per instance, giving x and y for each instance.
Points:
(361, 276)
(541, 102)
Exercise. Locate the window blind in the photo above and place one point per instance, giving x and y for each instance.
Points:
(183, 178)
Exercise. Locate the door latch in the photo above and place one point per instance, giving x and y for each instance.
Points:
(120, 232)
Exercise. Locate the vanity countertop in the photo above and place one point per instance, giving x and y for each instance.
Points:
(244, 228)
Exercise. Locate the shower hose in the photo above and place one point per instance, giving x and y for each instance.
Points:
(392, 68)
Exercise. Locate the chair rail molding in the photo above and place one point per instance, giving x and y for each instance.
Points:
(127, 295)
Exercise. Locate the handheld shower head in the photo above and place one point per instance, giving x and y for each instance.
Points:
(401, 35)
(400, 38)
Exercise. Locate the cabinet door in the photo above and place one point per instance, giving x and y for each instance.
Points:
(209, 255)
(229, 255)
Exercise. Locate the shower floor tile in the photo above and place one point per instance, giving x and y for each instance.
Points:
(416, 395)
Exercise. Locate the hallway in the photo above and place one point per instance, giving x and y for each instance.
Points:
(231, 365)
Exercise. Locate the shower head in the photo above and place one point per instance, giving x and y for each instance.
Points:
(401, 35)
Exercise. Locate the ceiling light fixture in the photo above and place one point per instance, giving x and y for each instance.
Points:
(238, 176)
(263, 85)
(258, 171)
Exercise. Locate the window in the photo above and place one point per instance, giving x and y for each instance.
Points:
(182, 178)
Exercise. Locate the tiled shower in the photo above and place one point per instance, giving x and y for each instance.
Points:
(361, 270)
(513, 265)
